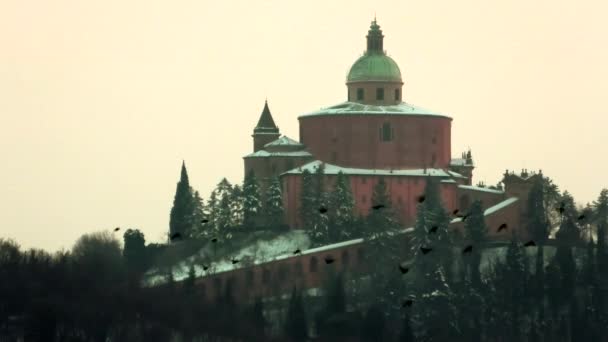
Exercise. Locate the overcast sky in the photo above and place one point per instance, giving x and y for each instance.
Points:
(101, 100)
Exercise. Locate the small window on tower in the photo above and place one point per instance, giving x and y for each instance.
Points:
(397, 95)
(387, 132)
(359, 93)
(379, 93)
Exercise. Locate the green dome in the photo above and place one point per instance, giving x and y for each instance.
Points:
(374, 67)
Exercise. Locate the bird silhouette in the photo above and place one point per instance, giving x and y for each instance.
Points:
(116, 229)
(297, 251)
(204, 221)
(205, 267)
(530, 244)
(433, 229)
(455, 212)
(175, 236)
(329, 259)
(581, 217)
(425, 250)
(214, 240)
(467, 249)
(407, 303)
(235, 261)
(378, 206)
(464, 217)
(322, 210)
(421, 199)
(403, 269)
(561, 208)
(502, 227)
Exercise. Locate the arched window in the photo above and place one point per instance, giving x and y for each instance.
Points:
(313, 264)
(359, 94)
(386, 132)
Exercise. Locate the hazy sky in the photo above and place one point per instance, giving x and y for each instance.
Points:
(101, 100)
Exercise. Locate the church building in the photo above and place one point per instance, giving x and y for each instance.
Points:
(376, 133)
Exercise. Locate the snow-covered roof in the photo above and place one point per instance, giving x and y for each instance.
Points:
(359, 108)
(459, 162)
(456, 174)
(493, 209)
(478, 188)
(334, 170)
(448, 181)
(284, 141)
(263, 153)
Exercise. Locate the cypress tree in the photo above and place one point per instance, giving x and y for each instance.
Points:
(134, 250)
(342, 213)
(252, 204)
(567, 235)
(600, 215)
(320, 220)
(274, 212)
(181, 217)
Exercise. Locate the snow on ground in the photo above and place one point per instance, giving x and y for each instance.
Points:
(258, 252)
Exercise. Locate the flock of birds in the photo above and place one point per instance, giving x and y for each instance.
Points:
(402, 266)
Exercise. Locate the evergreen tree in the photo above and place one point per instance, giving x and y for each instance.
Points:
(342, 214)
(236, 207)
(372, 329)
(406, 335)
(567, 235)
(223, 219)
(275, 216)
(200, 227)
(384, 249)
(319, 219)
(211, 210)
(134, 250)
(296, 326)
(220, 209)
(252, 204)
(475, 232)
(307, 201)
(181, 218)
(600, 216)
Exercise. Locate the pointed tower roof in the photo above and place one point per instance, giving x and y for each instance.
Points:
(266, 123)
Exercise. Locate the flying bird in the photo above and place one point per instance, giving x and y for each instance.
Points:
(530, 244)
(455, 212)
(297, 251)
(407, 303)
(329, 259)
(204, 221)
(403, 269)
(205, 267)
(502, 227)
(175, 236)
(581, 217)
(322, 210)
(561, 208)
(234, 261)
(425, 250)
(421, 199)
(214, 240)
(116, 229)
(433, 229)
(378, 206)
(467, 249)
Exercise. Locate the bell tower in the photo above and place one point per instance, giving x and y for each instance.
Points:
(265, 131)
